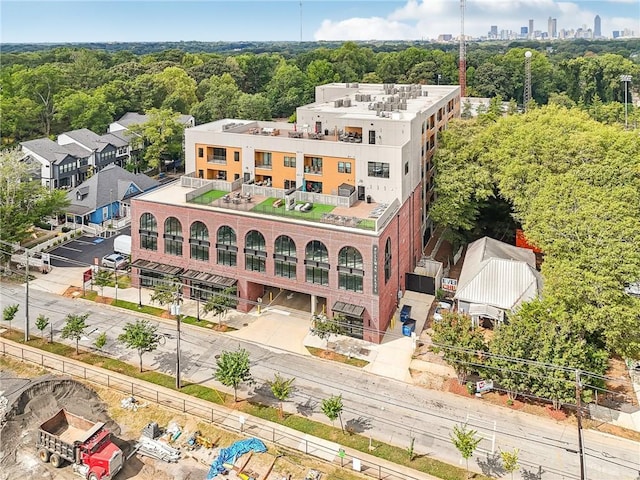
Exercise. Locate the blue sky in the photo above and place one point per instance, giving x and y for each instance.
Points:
(237, 20)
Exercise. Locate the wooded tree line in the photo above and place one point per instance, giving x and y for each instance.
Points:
(573, 185)
(47, 92)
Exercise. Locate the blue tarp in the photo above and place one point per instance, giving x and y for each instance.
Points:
(230, 455)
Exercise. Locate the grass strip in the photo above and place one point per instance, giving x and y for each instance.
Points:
(337, 357)
(350, 438)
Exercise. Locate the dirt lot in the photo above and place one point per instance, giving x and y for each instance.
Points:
(48, 394)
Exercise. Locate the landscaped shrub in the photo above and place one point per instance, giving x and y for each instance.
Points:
(44, 225)
(66, 229)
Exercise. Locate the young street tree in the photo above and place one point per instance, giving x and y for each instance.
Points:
(465, 442)
(74, 328)
(510, 461)
(324, 327)
(100, 341)
(141, 336)
(101, 279)
(282, 388)
(233, 369)
(42, 322)
(9, 313)
(332, 407)
(164, 293)
(220, 303)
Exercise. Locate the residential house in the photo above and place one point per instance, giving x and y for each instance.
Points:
(61, 166)
(496, 278)
(75, 156)
(106, 196)
(133, 118)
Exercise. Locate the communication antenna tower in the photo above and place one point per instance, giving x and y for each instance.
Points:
(462, 64)
(526, 98)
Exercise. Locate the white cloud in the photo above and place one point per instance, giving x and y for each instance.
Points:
(418, 19)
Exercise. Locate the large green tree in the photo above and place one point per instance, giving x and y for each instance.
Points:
(573, 185)
(462, 345)
(23, 201)
(160, 136)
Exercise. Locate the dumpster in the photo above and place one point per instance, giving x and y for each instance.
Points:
(408, 327)
(405, 313)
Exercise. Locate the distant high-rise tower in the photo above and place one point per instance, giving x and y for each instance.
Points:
(597, 27)
(530, 29)
(494, 31)
(551, 28)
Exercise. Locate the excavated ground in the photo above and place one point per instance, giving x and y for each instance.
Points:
(31, 402)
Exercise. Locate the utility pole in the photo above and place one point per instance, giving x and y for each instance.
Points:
(175, 310)
(579, 418)
(26, 299)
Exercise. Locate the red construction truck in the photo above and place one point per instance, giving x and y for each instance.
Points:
(86, 445)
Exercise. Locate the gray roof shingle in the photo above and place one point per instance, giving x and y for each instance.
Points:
(51, 151)
(108, 185)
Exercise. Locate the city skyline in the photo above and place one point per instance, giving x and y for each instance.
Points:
(292, 20)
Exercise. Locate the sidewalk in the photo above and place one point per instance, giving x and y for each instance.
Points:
(275, 327)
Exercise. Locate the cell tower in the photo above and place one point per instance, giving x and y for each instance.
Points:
(462, 65)
(526, 98)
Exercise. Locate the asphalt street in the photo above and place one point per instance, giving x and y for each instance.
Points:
(381, 408)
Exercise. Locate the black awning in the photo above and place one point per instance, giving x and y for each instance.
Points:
(157, 267)
(348, 309)
(209, 278)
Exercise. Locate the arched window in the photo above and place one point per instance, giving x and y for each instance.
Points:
(226, 246)
(255, 252)
(350, 269)
(285, 257)
(387, 260)
(316, 260)
(148, 232)
(199, 241)
(172, 236)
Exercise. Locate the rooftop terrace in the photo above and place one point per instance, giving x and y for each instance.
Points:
(251, 200)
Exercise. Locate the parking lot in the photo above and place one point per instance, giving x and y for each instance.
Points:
(83, 251)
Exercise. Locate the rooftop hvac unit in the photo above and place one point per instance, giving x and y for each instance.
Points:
(358, 97)
(346, 102)
(425, 93)
(387, 105)
(355, 85)
(378, 112)
(371, 107)
(337, 103)
(403, 106)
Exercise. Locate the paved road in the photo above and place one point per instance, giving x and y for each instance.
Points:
(385, 409)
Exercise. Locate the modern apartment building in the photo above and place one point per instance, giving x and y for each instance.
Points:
(334, 207)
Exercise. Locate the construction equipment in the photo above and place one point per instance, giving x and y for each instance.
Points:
(86, 445)
(149, 446)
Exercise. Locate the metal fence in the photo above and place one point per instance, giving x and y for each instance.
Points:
(209, 412)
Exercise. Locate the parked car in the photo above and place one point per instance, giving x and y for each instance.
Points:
(440, 309)
(114, 260)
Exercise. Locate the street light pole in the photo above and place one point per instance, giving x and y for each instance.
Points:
(26, 300)
(625, 79)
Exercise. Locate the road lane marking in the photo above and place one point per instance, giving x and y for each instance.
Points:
(69, 248)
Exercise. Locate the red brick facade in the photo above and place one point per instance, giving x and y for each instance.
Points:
(379, 308)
